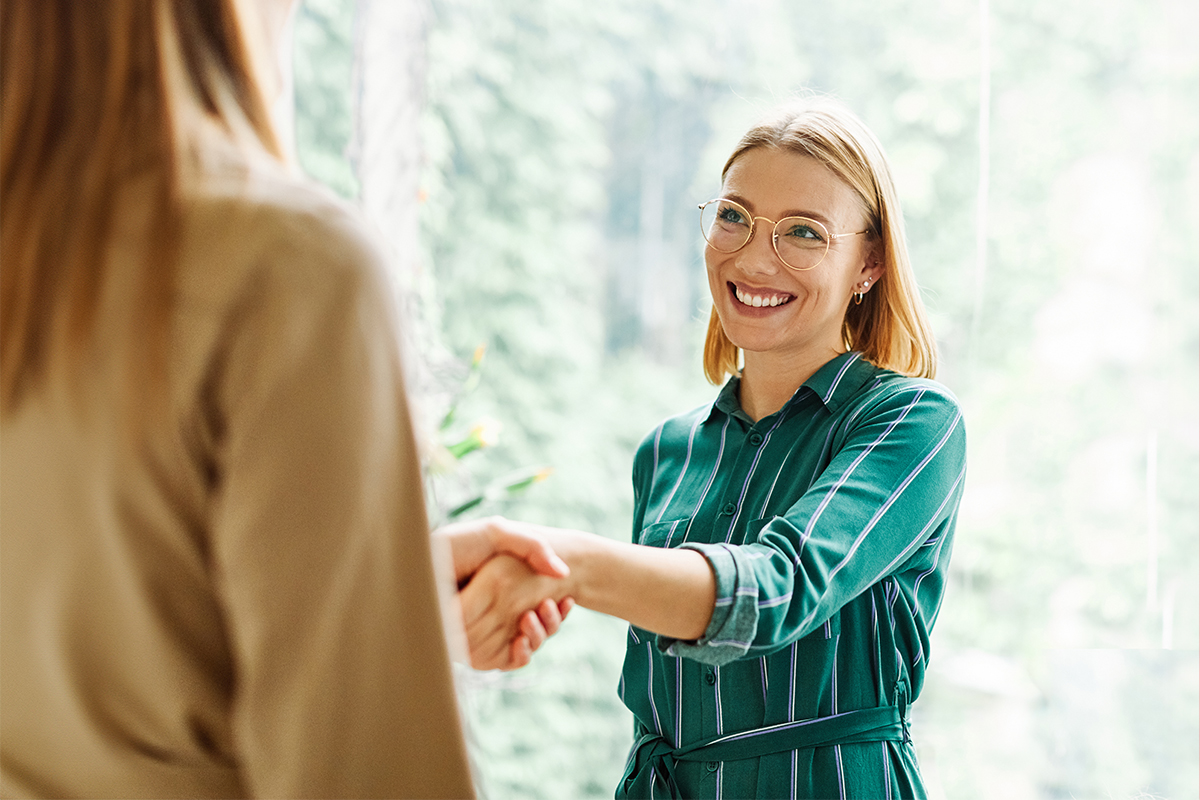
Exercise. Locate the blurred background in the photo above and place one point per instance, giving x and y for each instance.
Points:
(536, 165)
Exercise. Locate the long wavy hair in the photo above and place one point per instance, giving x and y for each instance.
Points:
(890, 326)
(95, 93)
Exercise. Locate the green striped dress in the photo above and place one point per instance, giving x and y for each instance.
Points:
(829, 527)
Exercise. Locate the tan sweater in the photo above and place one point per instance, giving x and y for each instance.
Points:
(243, 602)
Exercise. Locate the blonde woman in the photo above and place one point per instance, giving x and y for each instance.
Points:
(791, 540)
(216, 576)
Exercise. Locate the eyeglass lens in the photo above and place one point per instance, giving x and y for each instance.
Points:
(800, 242)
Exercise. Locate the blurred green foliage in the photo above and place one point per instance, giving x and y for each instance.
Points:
(323, 71)
(567, 145)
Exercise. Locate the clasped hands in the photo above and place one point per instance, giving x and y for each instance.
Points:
(513, 591)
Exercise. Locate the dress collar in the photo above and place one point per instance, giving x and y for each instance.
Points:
(835, 382)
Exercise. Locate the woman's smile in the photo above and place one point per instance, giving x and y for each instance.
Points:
(757, 301)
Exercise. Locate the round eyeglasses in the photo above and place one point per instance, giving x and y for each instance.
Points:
(800, 242)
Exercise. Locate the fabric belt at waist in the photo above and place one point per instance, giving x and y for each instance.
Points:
(652, 763)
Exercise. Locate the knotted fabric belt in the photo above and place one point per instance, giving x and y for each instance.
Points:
(652, 763)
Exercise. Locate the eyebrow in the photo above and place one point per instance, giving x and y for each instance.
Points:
(818, 216)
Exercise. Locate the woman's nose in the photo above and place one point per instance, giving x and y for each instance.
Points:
(758, 254)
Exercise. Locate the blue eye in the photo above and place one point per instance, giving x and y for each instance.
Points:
(730, 215)
(803, 230)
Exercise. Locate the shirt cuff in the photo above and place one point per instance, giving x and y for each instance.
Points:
(735, 613)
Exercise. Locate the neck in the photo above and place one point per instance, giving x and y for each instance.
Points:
(770, 379)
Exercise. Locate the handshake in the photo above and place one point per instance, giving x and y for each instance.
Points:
(514, 589)
(515, 585)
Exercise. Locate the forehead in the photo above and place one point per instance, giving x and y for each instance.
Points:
(778, 183)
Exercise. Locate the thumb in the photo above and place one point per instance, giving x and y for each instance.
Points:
(539, 555)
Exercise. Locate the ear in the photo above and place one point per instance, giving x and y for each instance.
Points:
(873, 268)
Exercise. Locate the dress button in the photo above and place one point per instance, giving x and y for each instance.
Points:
(729, 509)
(710, 678)
(756, 439)
(712, 766)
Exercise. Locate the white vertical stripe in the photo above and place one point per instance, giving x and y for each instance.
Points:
(833, 676)
(887, 772)
(717, 696)
(712, 477)
(822, 462)
(671, 532)
(762, 512)
(657, 439)
(678, 702)
(837, 755)
(650, 687)
(750, 475)
(687, 459)
(792, 686)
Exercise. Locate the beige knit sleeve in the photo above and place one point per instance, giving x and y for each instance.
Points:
(320, 543)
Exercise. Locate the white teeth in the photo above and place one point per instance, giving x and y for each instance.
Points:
(758, 301)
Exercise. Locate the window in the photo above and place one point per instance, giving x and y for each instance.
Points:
(538, 165)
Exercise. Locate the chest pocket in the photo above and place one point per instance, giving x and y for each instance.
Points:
(663, 534)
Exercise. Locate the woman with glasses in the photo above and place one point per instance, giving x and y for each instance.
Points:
(791, 540)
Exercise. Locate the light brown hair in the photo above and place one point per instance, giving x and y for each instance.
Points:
(890, 326)
(94, 93)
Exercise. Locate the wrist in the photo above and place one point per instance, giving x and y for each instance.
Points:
(584, 554)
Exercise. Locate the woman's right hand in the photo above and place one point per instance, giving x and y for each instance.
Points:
(475, 541)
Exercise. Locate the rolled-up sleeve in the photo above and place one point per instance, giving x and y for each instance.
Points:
(892, 484)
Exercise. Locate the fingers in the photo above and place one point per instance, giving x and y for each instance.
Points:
(491, 649)
(520, 654)
(532, 628)
(548, 616)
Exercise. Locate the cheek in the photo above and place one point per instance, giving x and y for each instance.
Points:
(716, 284)
(842, 280)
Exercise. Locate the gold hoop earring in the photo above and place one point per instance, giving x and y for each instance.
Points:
(858, 296)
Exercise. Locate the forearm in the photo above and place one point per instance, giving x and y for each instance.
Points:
(667, 591)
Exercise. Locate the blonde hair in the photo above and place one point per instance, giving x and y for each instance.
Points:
(890, 327)
(93, 94)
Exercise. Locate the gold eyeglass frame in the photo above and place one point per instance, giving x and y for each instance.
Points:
(830, 238)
